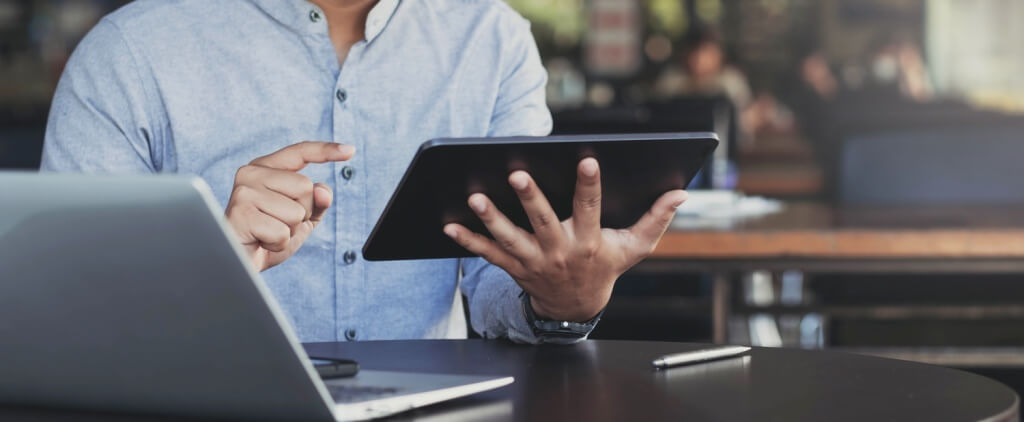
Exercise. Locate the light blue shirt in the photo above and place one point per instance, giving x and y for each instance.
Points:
(205, 86)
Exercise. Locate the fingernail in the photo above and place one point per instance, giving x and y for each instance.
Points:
(518, 181)
(451, 231)
(679, 202)
(346, 149)
(589, 167)
(477, 204)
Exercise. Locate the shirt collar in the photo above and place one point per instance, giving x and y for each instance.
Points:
(305, 17)
(379, 17)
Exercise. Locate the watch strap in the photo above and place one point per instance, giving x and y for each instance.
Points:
(554, 331)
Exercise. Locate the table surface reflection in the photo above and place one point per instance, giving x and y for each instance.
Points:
(614, 380)
(603, 380)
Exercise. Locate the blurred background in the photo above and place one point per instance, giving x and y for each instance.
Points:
(840, 104)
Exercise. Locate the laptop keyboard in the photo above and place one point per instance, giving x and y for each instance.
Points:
(357, 393)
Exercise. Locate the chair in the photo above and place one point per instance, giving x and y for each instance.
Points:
(957, 165)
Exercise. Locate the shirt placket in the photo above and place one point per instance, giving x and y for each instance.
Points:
(349, 193)
(350, 201)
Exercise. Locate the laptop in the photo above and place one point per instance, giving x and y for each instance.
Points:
(130, 294)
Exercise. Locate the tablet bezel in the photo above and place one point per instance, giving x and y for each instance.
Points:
(701, 143)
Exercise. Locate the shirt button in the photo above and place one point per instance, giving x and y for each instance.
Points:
(341, 94)
(351, 334)
(314, 16)
(348, 172)
(349, 257)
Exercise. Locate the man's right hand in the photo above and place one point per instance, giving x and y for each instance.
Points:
(273, 209)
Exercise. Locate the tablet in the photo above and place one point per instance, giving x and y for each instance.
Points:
(635, 171)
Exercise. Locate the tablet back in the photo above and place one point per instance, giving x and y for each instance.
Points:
(635, 171)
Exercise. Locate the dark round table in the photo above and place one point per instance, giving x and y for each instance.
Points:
(613, 380)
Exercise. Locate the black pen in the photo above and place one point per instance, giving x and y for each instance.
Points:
(700, 355)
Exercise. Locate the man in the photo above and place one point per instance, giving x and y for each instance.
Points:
(224, 90)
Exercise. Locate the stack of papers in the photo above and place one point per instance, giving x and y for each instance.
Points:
(721, 209)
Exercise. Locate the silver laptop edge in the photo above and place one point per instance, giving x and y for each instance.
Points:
(391, 405)
(275, 309)
(138, 253)
(357, 411)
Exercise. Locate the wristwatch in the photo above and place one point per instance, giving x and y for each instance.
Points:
(552, 331)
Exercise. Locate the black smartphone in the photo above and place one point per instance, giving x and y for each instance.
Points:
(335, 368)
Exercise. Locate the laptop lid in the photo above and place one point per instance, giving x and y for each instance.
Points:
(130, 294)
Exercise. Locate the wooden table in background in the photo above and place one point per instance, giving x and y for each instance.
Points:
(814, 237)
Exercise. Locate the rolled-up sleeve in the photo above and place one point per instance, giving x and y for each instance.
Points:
(104, 118)
(494, 303)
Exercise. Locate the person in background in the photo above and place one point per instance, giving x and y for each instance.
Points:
(817, 75)
(898, 65)
(703, 71)
(811, 89)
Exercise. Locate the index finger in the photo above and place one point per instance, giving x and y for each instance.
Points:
(295, 157)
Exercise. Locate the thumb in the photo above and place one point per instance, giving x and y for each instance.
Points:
(653, 224)
(322, 200)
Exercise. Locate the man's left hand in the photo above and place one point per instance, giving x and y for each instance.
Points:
(568, 267)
